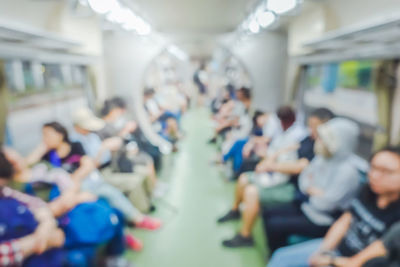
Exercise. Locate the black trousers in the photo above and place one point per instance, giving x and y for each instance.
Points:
(285, 220)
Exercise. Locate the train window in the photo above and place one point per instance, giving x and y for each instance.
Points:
(29, 81)
(341, 87)
(53, 77)
(347, 89)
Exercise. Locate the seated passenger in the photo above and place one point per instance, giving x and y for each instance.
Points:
(29, 235)
(114, 115)
(164, 122)
(263, 190)
(59, 151)
(265, 127)
(368, 218)
(283, 120)
(231, 112)
(75, 212)
(85, 125)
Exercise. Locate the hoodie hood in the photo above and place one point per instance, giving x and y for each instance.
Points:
(340, 136)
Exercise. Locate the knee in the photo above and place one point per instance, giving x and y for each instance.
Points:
(243, 179)
(251, 192)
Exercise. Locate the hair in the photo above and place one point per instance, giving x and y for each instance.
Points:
(257, 114)
(323, 114)
(287, 116)
(6, 168)
(391, 149)
(246, 92)
(148, 92)
(110, 104)
(59, 129)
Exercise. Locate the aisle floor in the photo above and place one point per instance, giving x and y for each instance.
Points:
(199, 194)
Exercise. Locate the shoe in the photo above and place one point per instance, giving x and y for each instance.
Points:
(149, 223)
(230, 216)
(118, 261)
(212, 140)
(133, 243)
(238, 241)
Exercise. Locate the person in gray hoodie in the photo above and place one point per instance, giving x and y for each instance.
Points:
(329, 183)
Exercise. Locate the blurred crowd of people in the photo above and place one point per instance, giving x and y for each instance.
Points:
(72, 200)
(320, 203)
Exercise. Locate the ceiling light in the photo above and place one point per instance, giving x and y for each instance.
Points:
(281, 6)
(102, 6)
(265, 18)
(254, 27)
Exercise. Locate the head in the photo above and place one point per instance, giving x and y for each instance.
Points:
(287, 116)
(259, 119)
(54, 135)
(148, 93)
(17, 161)
(384, 174)
(6, 169)
(114, 107)
(337, 138)
(86, 122)
(317, 118)
(243, 94)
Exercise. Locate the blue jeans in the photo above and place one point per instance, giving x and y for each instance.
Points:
(236, 153)
(296, 255)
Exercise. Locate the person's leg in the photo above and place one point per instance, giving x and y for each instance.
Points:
(118, 200)
(238, 154)
(239, 192)
(295, 256)
(250, 212)
(134, 185)
(285, 220)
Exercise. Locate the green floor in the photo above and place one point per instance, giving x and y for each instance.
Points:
(199, 194)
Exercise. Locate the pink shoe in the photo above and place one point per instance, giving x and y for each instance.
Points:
(149, 223)
(133, 243)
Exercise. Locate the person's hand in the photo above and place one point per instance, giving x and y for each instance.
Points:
(314, 191)
(112, 143)
(247, 151)
(347, 262)
(56, 240)
(262, 167)
(320, 260)
(130, 126)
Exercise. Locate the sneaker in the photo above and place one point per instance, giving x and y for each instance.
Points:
(212, 140)
(238, 241)
(118, 261)
(149, 223)
(133, 243)
(230, 216)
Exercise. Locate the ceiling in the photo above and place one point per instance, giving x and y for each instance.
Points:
(194, 25)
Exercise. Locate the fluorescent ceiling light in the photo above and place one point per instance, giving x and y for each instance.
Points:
(102, 6)
(143, 28)
(177, 52)
(265, 18)
(281, 6)
(254, 27)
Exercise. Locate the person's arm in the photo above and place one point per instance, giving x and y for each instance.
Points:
(130, 127)
(332, 239)
(111, 144)
(291, 168)
(87, 165)
(375, 250)
(69, 200)
(36, 154)
(248, 147)
(343, 186)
